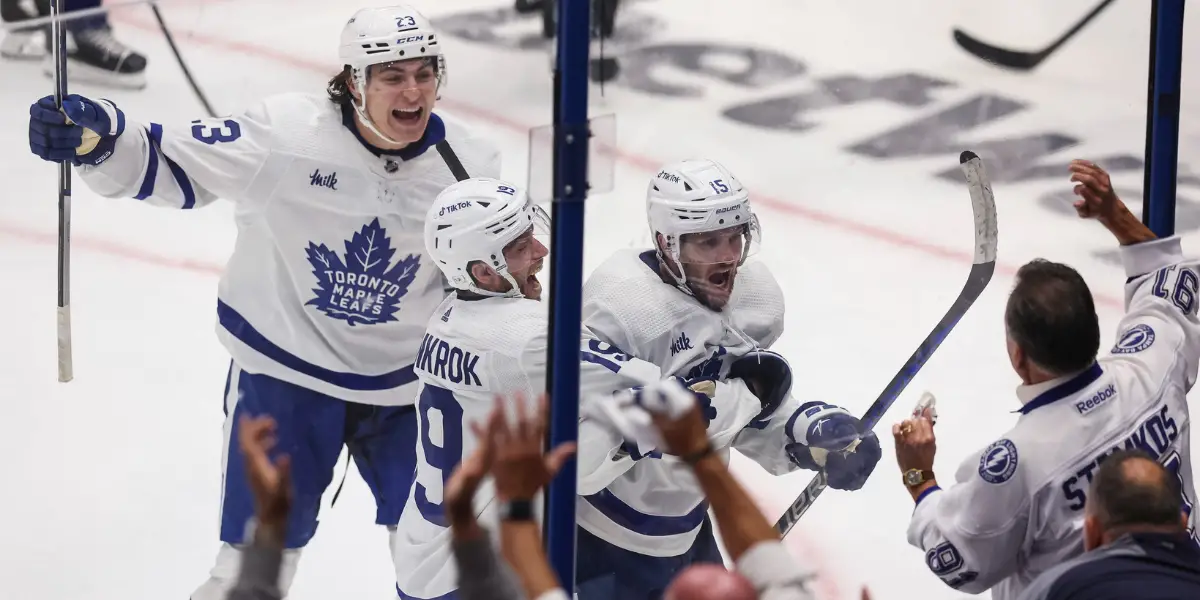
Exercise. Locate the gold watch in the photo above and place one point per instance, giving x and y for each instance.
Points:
(915, 477)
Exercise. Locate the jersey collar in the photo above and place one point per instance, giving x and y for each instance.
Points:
(435, 131)
(1046, 392)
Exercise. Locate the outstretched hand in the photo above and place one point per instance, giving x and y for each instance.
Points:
(270, 482)
(519, 466)
(1097, 200)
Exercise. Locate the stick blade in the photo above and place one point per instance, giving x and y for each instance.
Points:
(983, 207)
(1001, 57)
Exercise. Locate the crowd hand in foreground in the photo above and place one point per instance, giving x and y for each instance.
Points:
(270, 482)
(510, 449)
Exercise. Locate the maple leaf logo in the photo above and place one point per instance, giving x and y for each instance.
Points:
(361, 287)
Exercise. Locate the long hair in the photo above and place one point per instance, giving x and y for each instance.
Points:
(339, 87)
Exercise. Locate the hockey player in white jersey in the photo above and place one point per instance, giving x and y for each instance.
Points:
(698, 309)
(326, 295)
(489, 338)
(1017, 507)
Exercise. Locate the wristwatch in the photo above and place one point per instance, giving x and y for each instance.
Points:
(915, 477)
(516, 510)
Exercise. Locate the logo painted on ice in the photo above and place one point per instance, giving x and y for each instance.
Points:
(365, 288)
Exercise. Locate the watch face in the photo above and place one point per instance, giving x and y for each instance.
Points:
(912, 477)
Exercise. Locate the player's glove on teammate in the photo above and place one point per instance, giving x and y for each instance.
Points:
(85, 134)
(827, 437)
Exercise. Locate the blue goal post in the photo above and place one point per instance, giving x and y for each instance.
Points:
(570, 168)
(1162, 116)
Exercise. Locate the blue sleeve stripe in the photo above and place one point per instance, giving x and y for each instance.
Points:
(926, 493)
(639, 522)
(240, 328)
(185, 184)
(151, 172)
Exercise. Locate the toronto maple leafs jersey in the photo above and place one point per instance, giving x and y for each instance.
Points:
(328, 286)
(473, 351)
(1017, 507)
(656, 507)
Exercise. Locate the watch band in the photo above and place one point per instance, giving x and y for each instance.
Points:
(516, 510)
(696, 457)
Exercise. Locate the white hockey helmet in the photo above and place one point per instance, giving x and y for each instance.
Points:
(386, 34)
(472, 221)
(697, 196)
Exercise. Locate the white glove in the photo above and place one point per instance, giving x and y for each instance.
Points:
(630, 412)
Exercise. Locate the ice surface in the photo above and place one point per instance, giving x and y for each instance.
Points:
(111, 488)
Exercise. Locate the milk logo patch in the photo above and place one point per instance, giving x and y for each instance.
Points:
(999, 462)
(1136, 339)
(362, 287)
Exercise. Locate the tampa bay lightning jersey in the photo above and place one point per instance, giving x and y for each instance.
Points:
(328, 286)
(1016, 509)
(473, 351)
(657, 507)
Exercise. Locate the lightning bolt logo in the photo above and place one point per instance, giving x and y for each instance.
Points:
(998, 462)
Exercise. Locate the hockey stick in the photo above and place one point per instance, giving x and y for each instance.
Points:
(66, 366)
(1015, 59)
(983, 206)
(179, 58)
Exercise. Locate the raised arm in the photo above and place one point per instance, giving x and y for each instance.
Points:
(184, 166)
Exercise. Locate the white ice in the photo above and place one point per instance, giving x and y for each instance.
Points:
(110, 489)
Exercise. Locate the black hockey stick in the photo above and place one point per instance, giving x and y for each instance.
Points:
(179, 58)
(58, 47)
(983, 206)
(1015, 59)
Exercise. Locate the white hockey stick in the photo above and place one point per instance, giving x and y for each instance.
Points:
(983, 205)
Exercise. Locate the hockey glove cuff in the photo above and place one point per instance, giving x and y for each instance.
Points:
(827, 437)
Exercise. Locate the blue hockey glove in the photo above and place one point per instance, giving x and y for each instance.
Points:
(827, 437)
(88, 138)
(767, 374)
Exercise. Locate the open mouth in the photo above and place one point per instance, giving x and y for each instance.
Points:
(532, 279)
(408, 116)
(721, 280)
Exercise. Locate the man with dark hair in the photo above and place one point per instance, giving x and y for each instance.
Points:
(1017, 510)
(327, 293)
(1135, 533)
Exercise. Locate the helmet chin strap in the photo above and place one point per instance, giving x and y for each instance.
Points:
(514, 290)
(681, 278)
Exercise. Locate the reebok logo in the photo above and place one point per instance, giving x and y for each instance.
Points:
(1085, 406)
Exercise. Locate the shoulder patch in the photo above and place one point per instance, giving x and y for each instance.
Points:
(1136, 339)
(999, 462)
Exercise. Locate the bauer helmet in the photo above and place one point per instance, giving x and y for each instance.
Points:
(472, 221)
(697, 196)
(387, 34)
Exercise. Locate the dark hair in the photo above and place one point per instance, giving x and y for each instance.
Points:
(339, 87)
(1052, 317)
(1124, 497)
